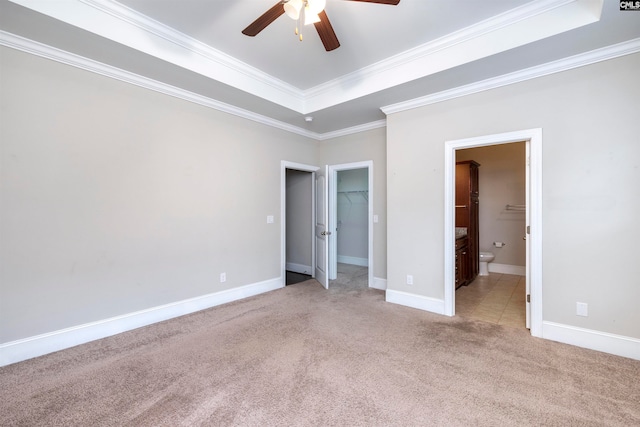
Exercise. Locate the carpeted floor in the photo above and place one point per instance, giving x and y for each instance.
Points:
(306, 356)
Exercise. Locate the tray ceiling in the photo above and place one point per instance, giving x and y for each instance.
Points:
(390, 56)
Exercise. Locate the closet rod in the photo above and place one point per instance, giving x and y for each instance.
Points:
(516, 207)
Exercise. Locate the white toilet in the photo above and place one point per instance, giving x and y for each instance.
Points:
(485, 259)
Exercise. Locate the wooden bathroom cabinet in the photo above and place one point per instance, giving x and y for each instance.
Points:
(462, 261)
(467, 205)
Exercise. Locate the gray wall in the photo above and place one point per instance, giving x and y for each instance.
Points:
(115, 199)
(590, 171)
(299, 188)
(369, 145)
(502, 182)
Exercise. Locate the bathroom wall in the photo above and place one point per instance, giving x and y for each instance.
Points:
(352, 210)
(502, 182)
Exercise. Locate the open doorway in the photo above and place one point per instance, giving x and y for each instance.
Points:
(494, 291)
(352, 226)
(351, 219)
(298, 219)
(324, 219)
(299, 226)
(533, 218)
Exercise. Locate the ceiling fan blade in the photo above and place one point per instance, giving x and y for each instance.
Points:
(264, 20)
(326, 33)
(390, 2)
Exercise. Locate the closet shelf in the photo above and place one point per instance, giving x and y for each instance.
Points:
(363, 193)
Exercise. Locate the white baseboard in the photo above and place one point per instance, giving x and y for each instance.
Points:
(415, 301)
(351, 260)
(379, 283)
(518, 270)
(619, 345)
(27, 348)
(298, 268)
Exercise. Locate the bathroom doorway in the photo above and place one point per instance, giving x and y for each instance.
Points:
(532, 210)
(498, 293)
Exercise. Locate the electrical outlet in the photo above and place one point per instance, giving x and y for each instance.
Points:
(409, 279)
(582, 309)
(223, 277)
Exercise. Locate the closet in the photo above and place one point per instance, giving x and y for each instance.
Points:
(467, 204)
(352, 221)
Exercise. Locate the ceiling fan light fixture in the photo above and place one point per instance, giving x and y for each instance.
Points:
(310, 18)
(312, 11)
(314, 7)
(292, 8)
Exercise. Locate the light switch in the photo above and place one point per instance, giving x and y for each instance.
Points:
(269, 219)
(375, 219)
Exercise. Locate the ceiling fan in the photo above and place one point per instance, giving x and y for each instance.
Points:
(312, 11)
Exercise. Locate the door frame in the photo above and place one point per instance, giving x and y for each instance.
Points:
(284, 165)
(533, 140)
(333, 215)
(322, 230)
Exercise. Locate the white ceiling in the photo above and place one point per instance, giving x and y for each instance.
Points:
(388, 54)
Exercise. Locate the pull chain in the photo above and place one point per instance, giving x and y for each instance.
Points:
(299, 31)
(300, 22)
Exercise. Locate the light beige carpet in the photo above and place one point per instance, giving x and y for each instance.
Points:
(305, 356)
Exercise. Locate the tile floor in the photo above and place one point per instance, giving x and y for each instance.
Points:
(497, 298)
(293, 278)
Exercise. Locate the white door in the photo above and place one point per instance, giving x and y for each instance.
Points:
(527, 234)
(322, 232)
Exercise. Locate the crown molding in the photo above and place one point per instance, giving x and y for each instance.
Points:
(576, 61)
(490, 36)
(524, 24)
(159, 29)
(116, 22)
(352, 130)
(488, 25)
(35, 48)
